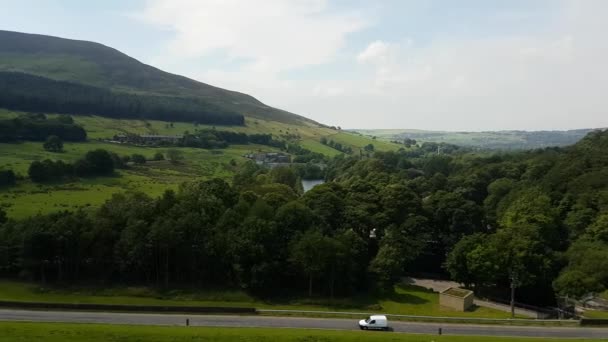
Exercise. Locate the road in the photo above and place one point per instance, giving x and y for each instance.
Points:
(291, 322)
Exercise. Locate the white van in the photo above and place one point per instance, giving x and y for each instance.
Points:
(378, 322)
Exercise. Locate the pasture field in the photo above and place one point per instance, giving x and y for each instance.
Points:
(153, 178)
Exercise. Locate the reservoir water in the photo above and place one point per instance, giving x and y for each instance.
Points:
(308, 184)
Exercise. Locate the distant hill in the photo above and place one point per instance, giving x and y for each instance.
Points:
(102, 68)
(505, 140)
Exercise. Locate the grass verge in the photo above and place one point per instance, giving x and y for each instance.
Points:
(51, 332)
(404, 300)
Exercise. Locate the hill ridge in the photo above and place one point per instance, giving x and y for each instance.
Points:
(96, 64)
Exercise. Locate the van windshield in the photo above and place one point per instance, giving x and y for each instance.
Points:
(368, 319)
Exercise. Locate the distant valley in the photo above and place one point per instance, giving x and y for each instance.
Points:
(502, 140)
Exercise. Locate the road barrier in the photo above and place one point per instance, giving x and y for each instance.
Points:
(127, 308)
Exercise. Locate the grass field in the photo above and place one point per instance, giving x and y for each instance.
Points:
(28, 199)
(55, 332)
(405, 300)
(153, 178)
(596, 314)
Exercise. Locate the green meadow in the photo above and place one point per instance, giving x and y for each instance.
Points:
(154, 177)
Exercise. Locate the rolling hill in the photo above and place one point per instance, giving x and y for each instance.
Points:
(96, 65)
(106, 93)
(503, 140)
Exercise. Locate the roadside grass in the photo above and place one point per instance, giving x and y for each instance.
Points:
(604, 294)
(404, 300)
(51, 332)
(596, 314)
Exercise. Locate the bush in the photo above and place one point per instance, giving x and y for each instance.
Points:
(7, 178)
(53, 144)
(138, 159)
(159, 156)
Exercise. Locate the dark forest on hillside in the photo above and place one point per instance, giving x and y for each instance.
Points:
(24, 92)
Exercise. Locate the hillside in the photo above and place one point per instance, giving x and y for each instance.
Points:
(28, 198)
(93, 64)
(102, 92)
(504, 140)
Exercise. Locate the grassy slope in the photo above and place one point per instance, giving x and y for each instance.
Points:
(28, 198)
(153, 178)
(102, 66)
(498, 139)
(51, 332)
(406, 300)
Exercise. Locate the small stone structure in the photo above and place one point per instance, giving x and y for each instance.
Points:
(456, 298)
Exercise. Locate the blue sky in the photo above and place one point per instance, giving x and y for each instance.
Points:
(445, 65)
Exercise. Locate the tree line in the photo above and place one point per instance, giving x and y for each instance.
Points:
(38, 127)
(95, 163)
(212, 138)
(260, 234)
(336, 145)
(25, 92)
(537, 219)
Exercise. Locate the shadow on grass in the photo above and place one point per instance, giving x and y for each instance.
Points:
(406, 298)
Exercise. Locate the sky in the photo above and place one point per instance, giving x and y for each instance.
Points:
(427, 64)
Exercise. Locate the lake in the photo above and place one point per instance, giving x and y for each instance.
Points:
(308, 184)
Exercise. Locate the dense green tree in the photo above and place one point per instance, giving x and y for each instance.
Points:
(7, 178)
(158, 156)
(312, 252)
(400, 246)
(174, 156)
(53, 144)
(3, 217)
(587, 269)
(138, 159)
(100, 162)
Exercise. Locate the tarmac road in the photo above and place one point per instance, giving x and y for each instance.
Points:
(292, 322)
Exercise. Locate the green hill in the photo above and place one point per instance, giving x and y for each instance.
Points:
(106, 93)
(92, 64)
(504, 140)
(27, 198)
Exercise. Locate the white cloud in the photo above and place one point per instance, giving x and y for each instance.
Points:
(276, 35)
(547, 77)
(376, 52)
